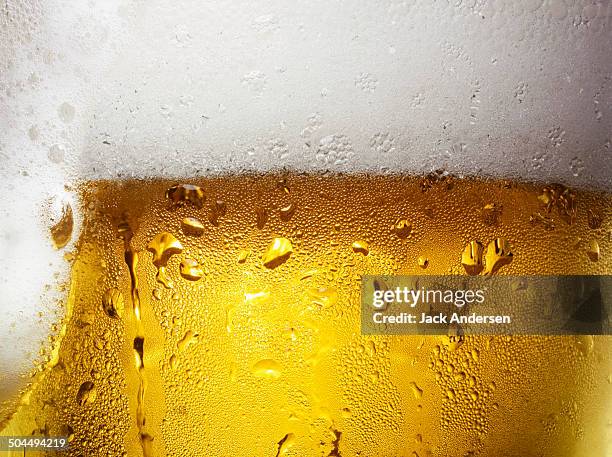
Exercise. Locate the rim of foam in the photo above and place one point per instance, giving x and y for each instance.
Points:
(330, 173)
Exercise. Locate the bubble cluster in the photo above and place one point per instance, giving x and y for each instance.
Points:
(334, 150)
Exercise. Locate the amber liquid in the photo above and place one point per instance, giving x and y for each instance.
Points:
(223, 319)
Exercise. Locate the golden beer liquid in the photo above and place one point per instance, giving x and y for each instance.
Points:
(222, 318)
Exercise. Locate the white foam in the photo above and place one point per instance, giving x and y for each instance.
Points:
(117, 89)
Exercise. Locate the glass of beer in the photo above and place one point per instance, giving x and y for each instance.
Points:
(193, 193)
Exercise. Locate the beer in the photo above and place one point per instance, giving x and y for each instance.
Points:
(220, 316)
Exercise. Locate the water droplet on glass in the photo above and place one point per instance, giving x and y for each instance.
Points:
(188, 339)
(173, 361)
(361, 247)
(257, 298)
(192, 226)
(113, 303)
(243, 255)
(585, 344)
(323, 297)
(541, 220)
(416, 390)
(164, 246)
(285, 444)
(498, 254)
(186, 193)
(471, 258)
(162, 278)
(267, 368)
(278, 252)
(190, 269)
(217, 210)
(286, 212)
(402, 228)
(593, 251)
(87, 393)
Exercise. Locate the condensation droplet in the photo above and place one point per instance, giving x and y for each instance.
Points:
(259, 297)
(475, 355)
(261, 217)
(217, 210)
(287, 212)
(189, 338)
(186, 193)
(285, 444)
(113, 303)
(173, 361)
(164, 246)
(498, 254)
(416, 390)
(323, 297)
(471, 258)
(191, 270)
(278, 252)
(267, 368)
(541, 220)
(67, 431)
(361, 247)
(402, 228)
(162, 278)
(595, 219)
(453, 341)
(87, 393)
(192, 226)
(243, 255)
(593, 251)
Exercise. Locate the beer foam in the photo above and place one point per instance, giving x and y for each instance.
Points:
(116, 90)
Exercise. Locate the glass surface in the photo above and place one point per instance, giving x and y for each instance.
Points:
(285, 150)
